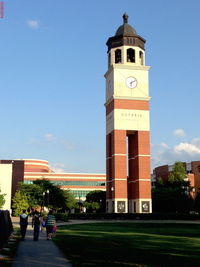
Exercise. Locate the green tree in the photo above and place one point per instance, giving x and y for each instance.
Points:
(56, 198)
(173, 196)
(2, 199)
(178, 174)
(98, 200)
(197, 202)
(33, 192)
(70, 200)
(20, 203)
(36, 195)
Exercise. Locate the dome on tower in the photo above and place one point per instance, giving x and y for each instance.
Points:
(125, 35)
(126, 29)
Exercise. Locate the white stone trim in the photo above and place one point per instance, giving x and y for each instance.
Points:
(62, 173)
(32, 163)
(113, 155)
(33, 160)
(140, 155)
(118, 179)
(147, 98)
(144, 180)
(30, 176)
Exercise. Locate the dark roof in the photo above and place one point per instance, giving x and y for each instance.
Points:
(126, 29)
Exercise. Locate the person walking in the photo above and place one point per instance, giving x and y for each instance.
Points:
(50, 223)
(23, 221)
(36, 225)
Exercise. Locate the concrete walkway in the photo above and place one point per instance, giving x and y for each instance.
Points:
(38, 253)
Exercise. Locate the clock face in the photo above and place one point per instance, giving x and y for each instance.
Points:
(131, 82)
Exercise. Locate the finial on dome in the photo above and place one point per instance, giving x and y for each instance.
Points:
(125, 18)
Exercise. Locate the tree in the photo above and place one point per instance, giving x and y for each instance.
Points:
(55, 196)
(96, 200)
(70, 200)
(197, 202)
(36, 195)
(33, 192)
(178, 174)
(173, 196)
(2, 199)
(20, 203)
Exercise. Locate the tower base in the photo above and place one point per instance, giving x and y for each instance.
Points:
(131, 206)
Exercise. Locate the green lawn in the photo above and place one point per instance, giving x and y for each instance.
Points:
(130, 244)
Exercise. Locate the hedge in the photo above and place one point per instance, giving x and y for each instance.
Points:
(134, 216)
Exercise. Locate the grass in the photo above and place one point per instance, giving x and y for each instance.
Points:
(130, 244)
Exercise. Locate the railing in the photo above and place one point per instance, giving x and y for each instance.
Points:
(6, 227)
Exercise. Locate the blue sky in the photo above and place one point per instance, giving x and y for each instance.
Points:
(53, 58)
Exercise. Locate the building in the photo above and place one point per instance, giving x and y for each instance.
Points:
(6, 184)
(192, 169)
(27, 170)
(127, 123)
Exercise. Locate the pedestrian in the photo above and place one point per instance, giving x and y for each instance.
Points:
(50, 223)
(23, 224)
(36, 225)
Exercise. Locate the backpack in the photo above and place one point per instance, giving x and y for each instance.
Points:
(36, 220)
(23, 221)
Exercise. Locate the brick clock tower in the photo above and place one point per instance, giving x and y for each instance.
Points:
(127, 124)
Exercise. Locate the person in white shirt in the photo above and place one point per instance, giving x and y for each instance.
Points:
(23, 224)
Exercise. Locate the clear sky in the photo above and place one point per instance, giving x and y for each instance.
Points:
(53, 58)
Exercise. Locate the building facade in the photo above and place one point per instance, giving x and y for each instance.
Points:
(127, 123)
(28, 170)
(192, 170)
(6, 184)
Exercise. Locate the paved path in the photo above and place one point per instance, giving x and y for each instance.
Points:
(38, 253)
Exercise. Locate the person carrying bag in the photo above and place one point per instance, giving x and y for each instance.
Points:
(50, 223)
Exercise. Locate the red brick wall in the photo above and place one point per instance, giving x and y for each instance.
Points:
(196, 171)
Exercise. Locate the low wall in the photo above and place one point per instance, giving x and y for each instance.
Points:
(6, 227)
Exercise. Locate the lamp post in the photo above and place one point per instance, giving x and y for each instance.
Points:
(47, 198)
(79, 203)
(43, 199)
(193, 192)
(113, 204)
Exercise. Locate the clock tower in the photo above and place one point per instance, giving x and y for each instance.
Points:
(127, 124)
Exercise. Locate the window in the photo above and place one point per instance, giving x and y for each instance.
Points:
(118, 56)
(141, 58)
(130, 55)
(75, 182)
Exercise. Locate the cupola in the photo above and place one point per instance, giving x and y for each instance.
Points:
(125, 35)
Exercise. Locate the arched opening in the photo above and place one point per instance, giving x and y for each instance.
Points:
(118, 56)
(141, 58)
(130, 55)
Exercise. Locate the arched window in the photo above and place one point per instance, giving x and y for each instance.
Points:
(118, 56)
(141, 58)
(130, 55)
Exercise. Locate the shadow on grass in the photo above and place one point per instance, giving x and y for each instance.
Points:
(129, 244)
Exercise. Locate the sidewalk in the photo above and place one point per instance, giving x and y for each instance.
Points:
(38, 253)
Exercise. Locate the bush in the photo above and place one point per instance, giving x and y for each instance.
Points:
(134, 216)
(62, 217)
